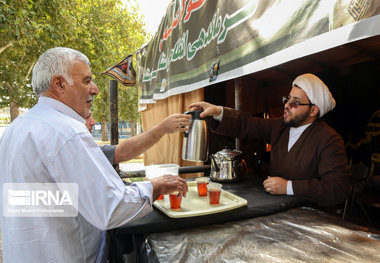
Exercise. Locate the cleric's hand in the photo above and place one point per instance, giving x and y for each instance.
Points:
(275, 185)
(207, 109)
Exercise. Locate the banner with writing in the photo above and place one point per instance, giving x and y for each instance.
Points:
(202, 42)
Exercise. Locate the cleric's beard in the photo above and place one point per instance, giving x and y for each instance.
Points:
(297, 120)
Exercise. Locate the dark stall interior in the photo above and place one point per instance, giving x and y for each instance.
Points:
(351, 72)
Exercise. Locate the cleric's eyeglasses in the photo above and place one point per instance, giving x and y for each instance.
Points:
(294, 103)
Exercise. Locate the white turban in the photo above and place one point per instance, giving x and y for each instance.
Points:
(317, 92)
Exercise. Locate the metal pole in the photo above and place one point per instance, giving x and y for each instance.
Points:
(237, 105)
(114, 116)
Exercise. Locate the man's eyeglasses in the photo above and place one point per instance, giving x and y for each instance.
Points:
(294, 103)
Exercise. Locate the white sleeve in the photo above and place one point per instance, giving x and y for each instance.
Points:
(103, 198)
(220, 117)
(289, 188)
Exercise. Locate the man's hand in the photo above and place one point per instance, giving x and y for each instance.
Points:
(168, 184)
(275, 185)
(175, 122)
(206, 108)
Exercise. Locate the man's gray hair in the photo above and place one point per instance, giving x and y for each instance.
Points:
(55, 61)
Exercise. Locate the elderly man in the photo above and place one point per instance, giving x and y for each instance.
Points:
(134, 146)
(51, 144)
(308, 158)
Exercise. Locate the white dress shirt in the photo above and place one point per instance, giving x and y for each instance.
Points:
(51, 144)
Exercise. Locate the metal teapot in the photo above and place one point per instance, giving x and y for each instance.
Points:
(227, 166)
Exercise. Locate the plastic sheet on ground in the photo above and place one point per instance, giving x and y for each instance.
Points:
(297, 235)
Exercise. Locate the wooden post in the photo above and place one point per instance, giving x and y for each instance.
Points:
(238, 84)
(114, 117)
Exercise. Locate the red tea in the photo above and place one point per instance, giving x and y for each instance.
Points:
(202, 188)
(214, 196)
(175, 200)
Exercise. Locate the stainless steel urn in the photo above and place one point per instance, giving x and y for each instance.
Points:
(195, 140)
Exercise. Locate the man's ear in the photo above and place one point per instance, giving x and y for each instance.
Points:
(314, 111)
(56, 89)
(57, 84)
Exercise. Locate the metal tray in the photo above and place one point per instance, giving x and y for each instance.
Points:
(194, 205)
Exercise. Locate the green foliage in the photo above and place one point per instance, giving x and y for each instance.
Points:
(30, 27)
(100, 108)
(128, 106)
(104, 30)
(4, 120)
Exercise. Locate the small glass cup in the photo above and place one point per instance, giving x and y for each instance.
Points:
(214, 190)
(201, 185)
(175, 200)
(154, 171)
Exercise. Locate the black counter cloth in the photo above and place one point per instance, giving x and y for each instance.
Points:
(124, 239)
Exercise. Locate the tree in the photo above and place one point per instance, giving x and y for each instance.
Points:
(104, 30)
(128, 106)
(101, 111)
(119, 32)
(27, 29)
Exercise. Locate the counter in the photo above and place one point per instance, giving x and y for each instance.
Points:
(129, 239)
(297, 235)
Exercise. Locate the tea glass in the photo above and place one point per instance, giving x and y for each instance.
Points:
(153, 171)
(214, 190)
(175, 200)
(202, 185)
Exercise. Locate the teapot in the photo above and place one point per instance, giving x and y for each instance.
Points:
(227, 166)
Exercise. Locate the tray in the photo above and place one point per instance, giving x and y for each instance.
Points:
(194, 205)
